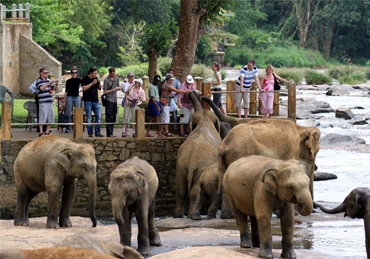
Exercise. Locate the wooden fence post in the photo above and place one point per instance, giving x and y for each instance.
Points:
(253, 100)
(6, 121)
(140, 123)
(206, 91)
(230, 97)
(292, 102)
(78, 114)
(145, 85)
(276, 106)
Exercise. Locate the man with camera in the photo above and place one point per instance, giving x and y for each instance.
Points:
(90, 86)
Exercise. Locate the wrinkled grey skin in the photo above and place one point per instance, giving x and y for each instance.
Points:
(355, 205)
(111, 248)
(52, 164)
(197, 152)
(133, 185)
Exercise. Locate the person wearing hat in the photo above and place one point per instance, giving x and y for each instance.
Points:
(185, 104)
(134, 94)
(110, 88)
(127, 110)
(154, 106)
(167, 93)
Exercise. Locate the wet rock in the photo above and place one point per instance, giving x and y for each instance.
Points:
(337, 139)
(344, 112)
(308, 106)
(320, 176)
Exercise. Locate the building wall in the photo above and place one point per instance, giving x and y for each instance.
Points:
(160, 153)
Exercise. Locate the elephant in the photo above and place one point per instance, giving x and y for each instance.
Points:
(281, 139)
(197, 152)
(52, 164)
(114, 249)
(355, 205)
(208, 183)
(133, 185)
(62, 252)
(257, 185)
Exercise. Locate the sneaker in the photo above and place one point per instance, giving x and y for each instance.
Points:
(91, 135)
(99, 135)
(123, 134)
(67, 131)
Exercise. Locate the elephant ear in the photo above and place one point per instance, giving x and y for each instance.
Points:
(270, 181)
(65, 158)
(141, 181)
(307, 166)
(313, 143)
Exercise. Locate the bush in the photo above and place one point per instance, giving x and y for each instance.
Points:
(164, 64)
(353, 78)
(342, 70)
(103, 71)
(139, 70)
(367, 64)
(314, 77)
(201, 71)
(223, 74)
(295, 74)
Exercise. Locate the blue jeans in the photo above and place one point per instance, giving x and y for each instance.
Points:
(95, 108)
(72, 101)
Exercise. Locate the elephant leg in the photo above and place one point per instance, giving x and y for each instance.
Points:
(212, 210)
(142, 221)
(20, 218)
(264, 227)
(69, 191)
(226, 212)
(125, 228)
(154, 238)
(255, 233)
(31, 195)
(181, 192)
(242, 222)
(53, 206)
(194, 203)
(287, 225)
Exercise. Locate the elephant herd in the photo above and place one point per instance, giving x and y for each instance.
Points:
(247, 168)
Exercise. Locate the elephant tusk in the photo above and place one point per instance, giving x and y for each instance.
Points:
(139, 191)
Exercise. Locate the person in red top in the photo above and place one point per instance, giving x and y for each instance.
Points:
(185, 104)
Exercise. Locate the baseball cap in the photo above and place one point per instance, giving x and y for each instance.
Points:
(139, 81)
(157, 78)
(189, 79)
(169, 76)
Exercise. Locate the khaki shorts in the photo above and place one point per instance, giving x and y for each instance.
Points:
(238, 97)
(186, 115)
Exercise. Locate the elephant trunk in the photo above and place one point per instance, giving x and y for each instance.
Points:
(92, 201)
(335, 210)
(117, 212)
(305, 204)
(193, 98)
(219, 114)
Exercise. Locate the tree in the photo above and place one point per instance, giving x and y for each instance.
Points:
(195, 16)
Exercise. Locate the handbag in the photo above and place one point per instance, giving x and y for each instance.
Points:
(63, 117)
(277, 85)
(104, 96)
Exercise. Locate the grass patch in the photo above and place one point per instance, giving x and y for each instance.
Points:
(353, 78)
(350, 74)
(295, 74)
(314, 77)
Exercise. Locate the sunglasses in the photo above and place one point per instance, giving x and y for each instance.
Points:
(45, 72)
(73, 72)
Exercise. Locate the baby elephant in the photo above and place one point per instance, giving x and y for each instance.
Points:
(133, 185)
(355, 205)
(257, 185)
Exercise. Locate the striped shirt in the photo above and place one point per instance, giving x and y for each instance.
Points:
(44, 96)
(248, 76)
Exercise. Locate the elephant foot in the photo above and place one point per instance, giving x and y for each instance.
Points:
(265, 254)
(288, 253)
(195, 217)
(211, 216)
(65, 223)
(52, 224)
(227, 215)
(178, 216)
(21, 222)
(155, 240)
(245, 243)
(144, 251)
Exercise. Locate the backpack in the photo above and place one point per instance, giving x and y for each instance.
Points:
(33, 88)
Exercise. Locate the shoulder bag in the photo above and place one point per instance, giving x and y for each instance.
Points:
(277, 85)
(104, 96)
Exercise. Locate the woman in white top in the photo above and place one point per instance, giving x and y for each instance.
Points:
(216, 86)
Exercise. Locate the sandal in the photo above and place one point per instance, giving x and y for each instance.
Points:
(167, 134)
(148, 136)
(183, 135)
(41, 134)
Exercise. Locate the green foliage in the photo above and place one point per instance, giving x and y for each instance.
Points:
(201, 71)
(164, 64)
(295, 74)
(353, 78)
(314, 77)
(223, 74)
(367, 63)
(103, 71)
(139, 70)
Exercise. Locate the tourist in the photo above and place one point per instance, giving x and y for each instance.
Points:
(176, 84)
(72, 95)
(154, 106)
(90, 86)
(45, 88)
(126, 109)
(110, 88)
(243, 85)
(185, 104)
(216, 86)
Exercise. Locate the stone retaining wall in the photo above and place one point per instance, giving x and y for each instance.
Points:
(161, 153)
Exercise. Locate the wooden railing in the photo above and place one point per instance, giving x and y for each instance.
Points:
(139, 124)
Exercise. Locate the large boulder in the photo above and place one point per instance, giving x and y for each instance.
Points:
(337, 139)
(344, 112)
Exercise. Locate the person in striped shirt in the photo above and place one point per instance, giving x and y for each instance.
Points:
(45, 88)
(243, 85)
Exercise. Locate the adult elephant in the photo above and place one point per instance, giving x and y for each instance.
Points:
(52, 164)
(257, 185)
(133, 185)
(197, 152)
(355, 205)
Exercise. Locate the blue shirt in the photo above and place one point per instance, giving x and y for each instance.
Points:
(249, 75)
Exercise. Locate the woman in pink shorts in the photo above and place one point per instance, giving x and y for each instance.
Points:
(267, 98)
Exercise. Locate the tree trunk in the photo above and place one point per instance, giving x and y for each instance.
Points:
(189, 35)
(153, 56)
(327, 40)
